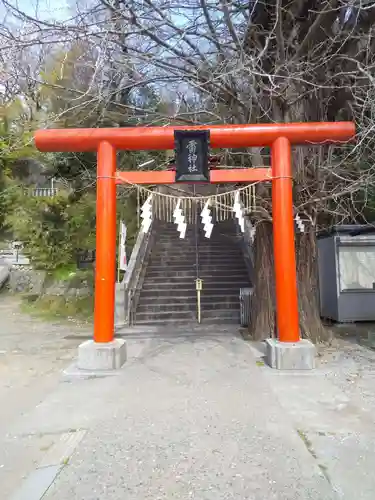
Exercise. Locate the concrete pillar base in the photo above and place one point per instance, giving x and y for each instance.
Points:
(101, 356)
(289, 355)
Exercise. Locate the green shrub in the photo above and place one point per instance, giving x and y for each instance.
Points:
(53, 229)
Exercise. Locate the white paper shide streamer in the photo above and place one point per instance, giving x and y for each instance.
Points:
(206, 218)
(239, 211)
(179, 219)
(123, 265)
(300, 224)
(146, 214)
(252, 233)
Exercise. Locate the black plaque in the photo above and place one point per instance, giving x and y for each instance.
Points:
(85, 259)
(191, 148)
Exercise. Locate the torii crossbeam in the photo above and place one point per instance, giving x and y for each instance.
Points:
(280, 137)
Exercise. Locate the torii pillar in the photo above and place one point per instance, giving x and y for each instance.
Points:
(288, 350)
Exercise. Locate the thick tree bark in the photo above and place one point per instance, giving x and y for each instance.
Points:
(263, 321)
(263, 302)
(311, 326)
(264, 309)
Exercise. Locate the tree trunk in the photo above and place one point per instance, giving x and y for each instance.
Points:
(311, 326)
(263, 303)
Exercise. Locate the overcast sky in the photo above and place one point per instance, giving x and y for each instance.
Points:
(43, 9)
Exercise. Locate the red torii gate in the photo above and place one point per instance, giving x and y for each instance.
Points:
(279, 137)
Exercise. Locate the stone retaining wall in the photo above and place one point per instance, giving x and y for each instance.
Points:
(30, 281)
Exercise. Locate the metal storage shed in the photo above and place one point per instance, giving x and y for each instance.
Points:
(346, 261)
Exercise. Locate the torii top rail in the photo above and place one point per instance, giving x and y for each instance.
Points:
(279, 137)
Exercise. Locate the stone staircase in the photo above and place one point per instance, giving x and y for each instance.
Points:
(168, 293)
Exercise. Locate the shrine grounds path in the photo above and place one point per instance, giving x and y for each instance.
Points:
(192, 415)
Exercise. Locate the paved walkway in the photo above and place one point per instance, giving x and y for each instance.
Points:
(32, 355)
(201, 417)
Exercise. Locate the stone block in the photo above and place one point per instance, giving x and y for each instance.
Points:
(27, 281)
(101, 356)
(289, 355)
(4, 274)
(120, 304)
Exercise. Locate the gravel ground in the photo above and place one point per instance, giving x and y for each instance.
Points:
(333, 410)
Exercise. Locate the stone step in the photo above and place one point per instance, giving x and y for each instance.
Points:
(212, 268)
(187, 305)
(166, 315)
(188, 282)
(227, 225)
(191, 257)
(192, 270)
(185, 285)
(168, 322)
(228, 312)
(219, 227)
(205, 267)
(232, 319)
(203, 242)
(175, 257)
(220, 275)
(189, 236)
(212, 315)
(175, 236)
(174, 286)
(191, 249)
(212, 292)
(176, 252)
(192, 228)
(191, 240)
(174, 248)
(172, 324)
(208, 301)
(208, 269)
